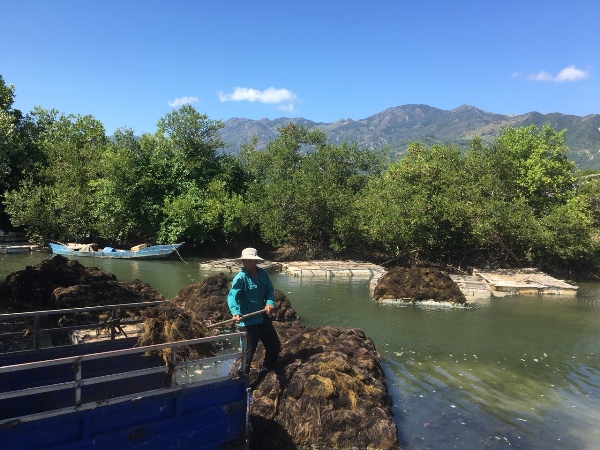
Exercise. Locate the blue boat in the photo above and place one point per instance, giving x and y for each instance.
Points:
(137, 252)
(109, 393)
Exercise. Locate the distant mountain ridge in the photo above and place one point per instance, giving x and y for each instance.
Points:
(396, 127)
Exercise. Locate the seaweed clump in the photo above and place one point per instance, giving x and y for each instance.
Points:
(208, 300)
(169, 323)
(327, 391)
(417, 284)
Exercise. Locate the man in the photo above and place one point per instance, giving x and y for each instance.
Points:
(252, 290)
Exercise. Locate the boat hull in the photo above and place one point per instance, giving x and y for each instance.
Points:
(151, 252)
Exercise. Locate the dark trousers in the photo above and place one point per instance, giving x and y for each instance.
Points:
(264, 332)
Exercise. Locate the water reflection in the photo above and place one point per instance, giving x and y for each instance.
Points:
(509, 372)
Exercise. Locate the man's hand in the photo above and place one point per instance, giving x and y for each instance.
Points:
(269, 310)
(237, 318)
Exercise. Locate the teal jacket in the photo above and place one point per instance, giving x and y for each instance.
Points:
(246, 296)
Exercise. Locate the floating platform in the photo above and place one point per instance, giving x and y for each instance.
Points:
(484, 285)
(321, 268)
(478, 286)
(524, 282)
(473, 287)
(235, 265)
(13, 236)
(500, 283)
(18, 248)
(329, 269)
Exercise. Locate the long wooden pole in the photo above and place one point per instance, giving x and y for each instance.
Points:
(225, 322)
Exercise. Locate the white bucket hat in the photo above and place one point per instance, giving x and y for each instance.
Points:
(250, 253)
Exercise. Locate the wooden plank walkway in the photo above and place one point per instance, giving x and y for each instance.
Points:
(500, 283)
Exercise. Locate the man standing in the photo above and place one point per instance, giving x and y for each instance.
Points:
(252, 290)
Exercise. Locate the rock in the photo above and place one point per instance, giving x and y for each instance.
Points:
(417, 284)
(328, 391)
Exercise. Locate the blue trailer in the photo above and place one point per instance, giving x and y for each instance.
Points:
(112, 394)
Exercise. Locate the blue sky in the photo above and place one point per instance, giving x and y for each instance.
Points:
(130, 62)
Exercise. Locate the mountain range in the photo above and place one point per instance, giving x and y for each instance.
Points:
(396, 127)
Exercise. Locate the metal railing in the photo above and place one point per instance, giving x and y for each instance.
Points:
(114, 323)
(75, 365)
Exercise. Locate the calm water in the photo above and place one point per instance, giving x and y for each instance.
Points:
(516, 372)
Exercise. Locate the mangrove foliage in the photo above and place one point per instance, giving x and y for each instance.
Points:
(518, 200)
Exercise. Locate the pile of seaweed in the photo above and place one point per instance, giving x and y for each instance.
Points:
(328, 391)
(102, 293)
(416, 284)
(208, 300)
(167, 323)
(32, 289)
(60, 283)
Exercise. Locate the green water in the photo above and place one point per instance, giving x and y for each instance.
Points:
(515, 372)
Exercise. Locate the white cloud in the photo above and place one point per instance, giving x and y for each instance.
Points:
(569, 73)
(541, 76)
(270, 96)
(182, 101)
